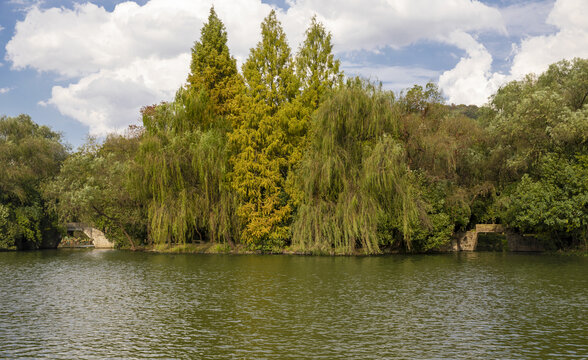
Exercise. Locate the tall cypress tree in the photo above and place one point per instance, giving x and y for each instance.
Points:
(269, 70)
(316, 65)
(260, 143)
(213, 68)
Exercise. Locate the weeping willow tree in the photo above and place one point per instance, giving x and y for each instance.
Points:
(182, 164)
(354, 176)
(181, 170)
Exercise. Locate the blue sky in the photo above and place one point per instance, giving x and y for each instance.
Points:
(87, 67)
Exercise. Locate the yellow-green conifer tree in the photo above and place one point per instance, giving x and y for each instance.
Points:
(214, 69)
(260, 143)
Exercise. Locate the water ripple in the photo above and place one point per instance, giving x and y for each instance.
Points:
(91, 304)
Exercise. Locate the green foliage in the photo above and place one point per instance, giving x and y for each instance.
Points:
(353, 175)
(556, 204)
(417, 99)
(444, 145)
(570, 80)
(29, 156)
(448, 151)
(182, 164)
(537, 116)
(540, 127)
(213, 69)
(316, 65)
(269, 69)
(446, 208)
(93, 186)
(181, 172)
(289, 155)
(6, 230)
(265, 138)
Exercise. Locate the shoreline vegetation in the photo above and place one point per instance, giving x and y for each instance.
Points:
(214, 249)
(208, 248)
(290, 156)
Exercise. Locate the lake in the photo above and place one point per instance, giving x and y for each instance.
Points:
(96, 304)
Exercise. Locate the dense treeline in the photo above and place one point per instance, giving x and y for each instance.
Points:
(289, 154)
(29, 156)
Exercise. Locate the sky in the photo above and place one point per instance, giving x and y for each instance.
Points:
(87, 67)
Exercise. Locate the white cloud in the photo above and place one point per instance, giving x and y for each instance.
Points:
(109, 100)
(137, 55)
(471, 81)
(357, 25)
(88, 38)
(536, 53)
(119, 61)
(4, 90)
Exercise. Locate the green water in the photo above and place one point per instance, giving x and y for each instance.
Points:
(96, 304)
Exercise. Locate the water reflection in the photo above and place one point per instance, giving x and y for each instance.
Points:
(111, 304)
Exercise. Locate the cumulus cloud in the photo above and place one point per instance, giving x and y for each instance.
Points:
(109, 100)
(358, 25)
(536, 53)
(472, 81)
(119, 61)
(86, 39)
(136, 55)
(4, 90)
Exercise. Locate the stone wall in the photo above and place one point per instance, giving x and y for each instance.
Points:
(468, 241)
(465, 241)
(518, 242)
(490, 228)
(98, 238)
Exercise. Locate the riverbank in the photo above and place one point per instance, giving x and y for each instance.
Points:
(215, 248)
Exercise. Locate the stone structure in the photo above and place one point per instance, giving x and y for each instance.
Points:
(468, 241)
(98, 238)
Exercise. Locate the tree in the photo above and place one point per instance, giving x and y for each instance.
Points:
(555, 205)
(357, 187)
(540, 131)
(269, 69)
(570, 79)
(30, 155)
(260, 144)
(319, 75)
(539, 115)
(182, 163)
(213, 68)
(94, 187)
(181, 172)
(316, 65)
